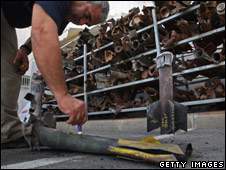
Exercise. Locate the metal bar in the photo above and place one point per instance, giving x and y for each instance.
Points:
(195, 81)
(122, 85)
(199, 68)
(93, 71)
(46, 105)
(85, 76)
(69, 42)
(208, 101)
(78, 95)
(73, 78)
(189, 83)
(145, 29)
(137, 109)
(154, 51)
(191, 103)
(157, 43)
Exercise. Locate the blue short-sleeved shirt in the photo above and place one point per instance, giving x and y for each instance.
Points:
(19, 13)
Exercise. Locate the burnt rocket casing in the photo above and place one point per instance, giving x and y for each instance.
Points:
(37, 90)
(166, 113)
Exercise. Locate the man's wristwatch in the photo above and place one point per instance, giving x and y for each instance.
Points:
(27, 48)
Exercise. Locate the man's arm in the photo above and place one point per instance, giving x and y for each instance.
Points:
(46, 49)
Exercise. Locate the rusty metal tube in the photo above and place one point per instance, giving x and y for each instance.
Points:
(221, 12)
(164, 12)
(201, 54)
(217, 57)
(150, 91)
(152, 71)
(202, 10)
(80, 42)
(145, 36)
(137, 47)
(157, 42)
(126, 44)
(221, 9)
(147, 39)
(118, 48)
(164, 65)
(117, 74)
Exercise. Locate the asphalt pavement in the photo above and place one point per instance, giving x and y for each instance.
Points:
(208, 148)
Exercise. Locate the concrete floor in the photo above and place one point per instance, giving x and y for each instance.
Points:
(208, 143)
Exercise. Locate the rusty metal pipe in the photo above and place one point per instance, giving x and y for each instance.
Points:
(118, 48)
(203, 10)
(164, 12)
(109, 55)
(221, 9)
(137, 47)
(117, 74)
(164, 65)
(152, 71)
(80, 42)
(131, 24)
(200, 53)
(148, 40)
(217, 21)
(217, 57)
(150, 91)
(126, 45)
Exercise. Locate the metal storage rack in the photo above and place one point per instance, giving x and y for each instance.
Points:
(148, 80)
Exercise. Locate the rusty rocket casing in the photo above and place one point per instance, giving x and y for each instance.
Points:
(166, 113)
(166, 89)
(37, 90)
(150, 151)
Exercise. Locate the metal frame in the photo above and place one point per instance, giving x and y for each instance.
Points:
(137, 109)
(158, 51)
(85, 76)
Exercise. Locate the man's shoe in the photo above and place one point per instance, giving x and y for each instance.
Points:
(19, 143)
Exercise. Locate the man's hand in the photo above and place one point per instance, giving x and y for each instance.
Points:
(74, 108)
(21, 61)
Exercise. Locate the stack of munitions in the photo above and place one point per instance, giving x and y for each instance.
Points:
(129, 52)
